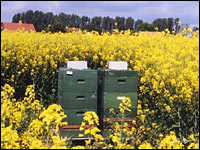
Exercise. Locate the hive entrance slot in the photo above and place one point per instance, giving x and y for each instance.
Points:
(79, 113)
(121, 81)
(81, 81)
(80, 97)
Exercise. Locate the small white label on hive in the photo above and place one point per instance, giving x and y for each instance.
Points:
(93, 96)
(69, 72)
(118, 65)
(120, 97)
(77, 65)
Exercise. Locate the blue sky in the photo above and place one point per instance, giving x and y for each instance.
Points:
(187, 11)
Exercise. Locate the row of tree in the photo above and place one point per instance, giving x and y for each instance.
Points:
(54, 23)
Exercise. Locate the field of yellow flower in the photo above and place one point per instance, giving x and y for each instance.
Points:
(168, 98)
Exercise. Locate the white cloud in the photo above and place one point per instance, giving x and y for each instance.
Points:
(187, 11)
(51, 6)
(8, 9)
(14, 6)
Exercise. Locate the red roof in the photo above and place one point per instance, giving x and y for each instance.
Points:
(17, 26)
(72, 29)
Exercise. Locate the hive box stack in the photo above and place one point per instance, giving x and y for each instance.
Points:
(114, 84)
(77, 93)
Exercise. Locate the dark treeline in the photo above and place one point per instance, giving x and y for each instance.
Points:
(54, 23)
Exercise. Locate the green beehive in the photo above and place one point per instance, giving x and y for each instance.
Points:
(71, 80)
(75, 116)
(113, 86)
(77, 88)
(77, 94)
(74, 119)
(121, 81)
(82, 100)
(99, 90)
(113, 99)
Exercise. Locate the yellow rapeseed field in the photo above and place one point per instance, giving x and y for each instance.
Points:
(168, 98)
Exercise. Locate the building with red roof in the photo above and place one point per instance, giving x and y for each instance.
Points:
(17, 26)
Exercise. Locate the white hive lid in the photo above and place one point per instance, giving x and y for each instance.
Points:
(77, 65)
(118, 65)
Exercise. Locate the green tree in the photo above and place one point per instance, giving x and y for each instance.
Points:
(65, 19)
(158, 23)
(16, 18)
(120, 23)
(37, 20)
(84, 21)
(170, 24)
(23, 17)
(75, 21)
(129, 23)
(195, 28)
(146, 27)
(28, 16)
(137, 23)
(97, 23)
(68, 19)
(164, 23)
(111, 24)
(177, 25)
(59, 26)
(49, 18)
(106, 23)
(89, 27)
